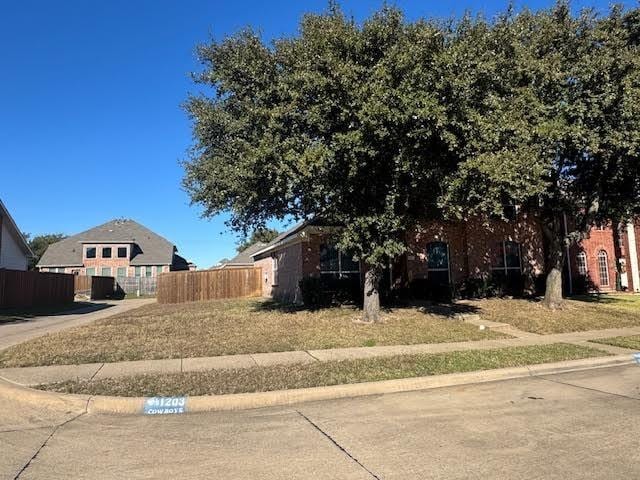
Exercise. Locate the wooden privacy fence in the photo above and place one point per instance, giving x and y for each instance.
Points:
(180, 287)
(95, 287)
(34, 289)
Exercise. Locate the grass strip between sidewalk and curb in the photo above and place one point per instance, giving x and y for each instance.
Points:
(631, 342)
(283, 377)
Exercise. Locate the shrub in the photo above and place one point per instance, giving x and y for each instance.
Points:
(323, 292)
(425, 289)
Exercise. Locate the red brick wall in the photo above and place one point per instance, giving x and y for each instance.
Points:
(453, 234)
(598, 240)
(286, 287)
(472, 245)
(266, 264)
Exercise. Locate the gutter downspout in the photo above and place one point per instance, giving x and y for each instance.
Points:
(566, 232)
(633, 256)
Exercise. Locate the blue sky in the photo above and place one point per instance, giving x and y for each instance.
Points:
(91, 127)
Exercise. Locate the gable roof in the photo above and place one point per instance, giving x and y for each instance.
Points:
(245, 257)
(11, 224)
(150, 248)
(282, 238)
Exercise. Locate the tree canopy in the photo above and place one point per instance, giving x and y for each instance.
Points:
(374, 126)
(264, 235)
(557, 122)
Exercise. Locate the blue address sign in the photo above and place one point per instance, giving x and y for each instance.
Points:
(165, 405)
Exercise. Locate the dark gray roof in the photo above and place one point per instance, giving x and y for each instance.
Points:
(150, 248)
(282, 237)
(245, 257)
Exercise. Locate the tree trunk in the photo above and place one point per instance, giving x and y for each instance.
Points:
(553, 232)
(371, 307)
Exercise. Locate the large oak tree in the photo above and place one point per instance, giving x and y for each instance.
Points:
(344, 121)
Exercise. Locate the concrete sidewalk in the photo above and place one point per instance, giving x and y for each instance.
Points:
(18, 332)
(56, 373)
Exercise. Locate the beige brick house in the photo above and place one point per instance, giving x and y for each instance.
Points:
(119, 248)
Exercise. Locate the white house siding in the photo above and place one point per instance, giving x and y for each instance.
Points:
(11, 255)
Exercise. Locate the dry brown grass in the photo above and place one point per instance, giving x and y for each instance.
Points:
(586, 313)
(280, 377)
(232, 327)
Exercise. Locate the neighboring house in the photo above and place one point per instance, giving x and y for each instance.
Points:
(14, 249)
(244, 259)
(451, 252)
(119, 248)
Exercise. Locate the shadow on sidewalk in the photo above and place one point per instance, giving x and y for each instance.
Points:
(22, 315)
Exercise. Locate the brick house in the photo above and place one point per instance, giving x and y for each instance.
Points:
(450, 252)
(119, 248)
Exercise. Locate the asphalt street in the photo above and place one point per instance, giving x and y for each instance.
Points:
(573, 425)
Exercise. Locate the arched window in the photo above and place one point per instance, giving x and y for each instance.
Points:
(581, 262)
(438, 262)
(603, 268)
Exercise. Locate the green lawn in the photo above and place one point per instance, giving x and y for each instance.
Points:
(232, 327)
(578, 313)
(632, 342)
(280, 377)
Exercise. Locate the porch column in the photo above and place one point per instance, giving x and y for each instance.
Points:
(633, 256)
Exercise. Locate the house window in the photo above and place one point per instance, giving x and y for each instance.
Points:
(138, 271)
(337, 264)
(158, 270)
(122, 271)
(106, 252)
(89, 272)
(122, 252)
(438, 262)
(106, 271)
(506, 257)
(276, 275)
(90, 252)
(603, 268)
(147, 271)
(581, 262)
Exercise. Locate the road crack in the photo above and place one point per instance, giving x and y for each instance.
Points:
(589, 388)
(51, 435)
(340, 447)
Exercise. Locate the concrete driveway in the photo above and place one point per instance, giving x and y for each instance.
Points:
(18, 332)
(574, 425)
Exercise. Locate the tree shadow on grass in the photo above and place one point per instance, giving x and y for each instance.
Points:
(283, 307)
(444, 309)
(450, 310)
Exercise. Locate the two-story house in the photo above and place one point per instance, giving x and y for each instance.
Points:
(119, 248)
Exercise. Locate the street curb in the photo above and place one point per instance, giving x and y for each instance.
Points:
(244, 401)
